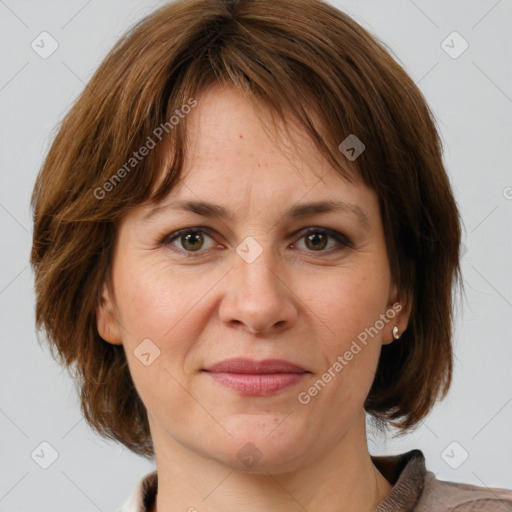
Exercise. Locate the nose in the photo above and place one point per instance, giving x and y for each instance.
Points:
(258, 298)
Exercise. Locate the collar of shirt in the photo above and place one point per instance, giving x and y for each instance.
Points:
(414, 490)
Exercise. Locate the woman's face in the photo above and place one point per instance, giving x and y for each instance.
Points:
(266, 279)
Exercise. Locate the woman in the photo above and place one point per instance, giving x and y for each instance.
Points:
(245, 240)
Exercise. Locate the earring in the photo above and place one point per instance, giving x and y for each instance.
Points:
(396, 333)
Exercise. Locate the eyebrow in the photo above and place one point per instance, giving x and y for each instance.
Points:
(297, 211)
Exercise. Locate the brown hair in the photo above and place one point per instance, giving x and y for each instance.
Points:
(300, 58)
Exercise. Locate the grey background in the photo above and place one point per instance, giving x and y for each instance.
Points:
(471, 97)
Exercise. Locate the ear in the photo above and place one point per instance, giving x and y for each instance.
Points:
(106, 321)
(397, 313)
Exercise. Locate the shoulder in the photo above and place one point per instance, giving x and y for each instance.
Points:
(442, 496)
(416, 489)
(143, 495)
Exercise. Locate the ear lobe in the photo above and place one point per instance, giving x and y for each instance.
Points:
(106, 322)
(398, 312)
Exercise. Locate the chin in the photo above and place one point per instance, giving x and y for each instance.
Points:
(269, 446)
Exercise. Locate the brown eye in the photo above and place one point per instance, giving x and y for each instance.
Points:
(324, 240)
(316, 241)
(190, 240)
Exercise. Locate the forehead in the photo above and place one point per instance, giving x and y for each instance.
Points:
(240, 165)
(232, 141)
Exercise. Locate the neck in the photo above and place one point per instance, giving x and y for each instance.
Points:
(343, 478)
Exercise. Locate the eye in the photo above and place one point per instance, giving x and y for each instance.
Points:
(189, 240)
(317, 240)
(192, 240)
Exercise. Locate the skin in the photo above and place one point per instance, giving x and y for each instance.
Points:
(301, 302)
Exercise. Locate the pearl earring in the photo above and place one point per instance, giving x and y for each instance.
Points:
(396, 333)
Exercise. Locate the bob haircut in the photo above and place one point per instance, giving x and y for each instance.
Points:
(300, 59)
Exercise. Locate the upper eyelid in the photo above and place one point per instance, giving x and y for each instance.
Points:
(181, 232)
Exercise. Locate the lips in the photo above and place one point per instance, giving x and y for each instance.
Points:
(251, 377)
(250, 366)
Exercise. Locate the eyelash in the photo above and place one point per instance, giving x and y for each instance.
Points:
(341, 239)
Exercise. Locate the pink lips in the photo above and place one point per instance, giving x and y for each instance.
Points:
(256, 377)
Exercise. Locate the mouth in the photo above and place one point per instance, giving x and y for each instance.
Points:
(258, 378)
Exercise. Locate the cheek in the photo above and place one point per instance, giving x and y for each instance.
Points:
(153, 299)
(169, 307)
(350, 301)
(350, 311)
(349, 353)
(164, 307)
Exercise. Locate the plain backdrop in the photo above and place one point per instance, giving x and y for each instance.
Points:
(467, 438)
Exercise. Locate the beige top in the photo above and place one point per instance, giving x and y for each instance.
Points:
(414, 490)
